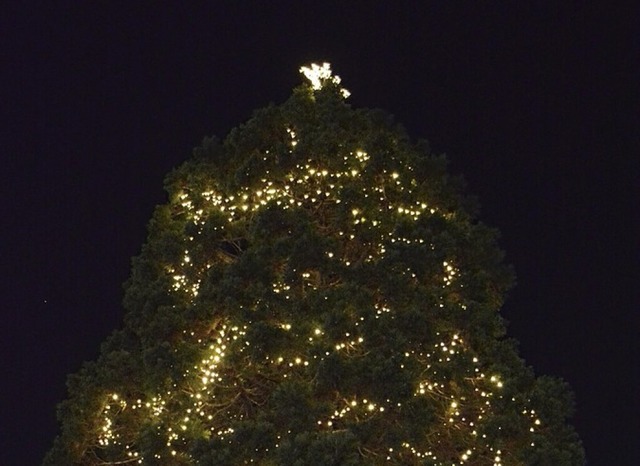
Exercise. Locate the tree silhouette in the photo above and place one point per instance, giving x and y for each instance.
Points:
(316, 291)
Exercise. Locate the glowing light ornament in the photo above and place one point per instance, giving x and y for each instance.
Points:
(318, 76)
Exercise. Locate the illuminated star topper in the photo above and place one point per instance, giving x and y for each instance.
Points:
(318, 76)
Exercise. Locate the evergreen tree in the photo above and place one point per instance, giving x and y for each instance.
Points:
(316, 291)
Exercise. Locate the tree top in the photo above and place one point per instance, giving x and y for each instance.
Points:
(320, 75)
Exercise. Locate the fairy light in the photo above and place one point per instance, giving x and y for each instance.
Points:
(450, 273)
(387, 200)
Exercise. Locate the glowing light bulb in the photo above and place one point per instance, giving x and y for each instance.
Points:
(319, 75)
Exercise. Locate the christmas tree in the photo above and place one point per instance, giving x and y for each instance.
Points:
(316, 291)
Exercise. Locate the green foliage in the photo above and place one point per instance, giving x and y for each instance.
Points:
(316, 291)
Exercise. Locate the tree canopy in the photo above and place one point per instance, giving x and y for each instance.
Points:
(317, 290)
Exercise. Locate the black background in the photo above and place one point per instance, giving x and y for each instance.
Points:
(535, 103)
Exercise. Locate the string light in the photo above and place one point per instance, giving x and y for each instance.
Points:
(381, 203)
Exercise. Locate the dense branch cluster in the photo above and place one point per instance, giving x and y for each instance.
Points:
(316, 291)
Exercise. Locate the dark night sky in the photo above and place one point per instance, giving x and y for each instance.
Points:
(536, 104)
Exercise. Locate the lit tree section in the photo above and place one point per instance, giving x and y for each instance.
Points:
(316, 291)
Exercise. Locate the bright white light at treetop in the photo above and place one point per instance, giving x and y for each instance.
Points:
(318, 76)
